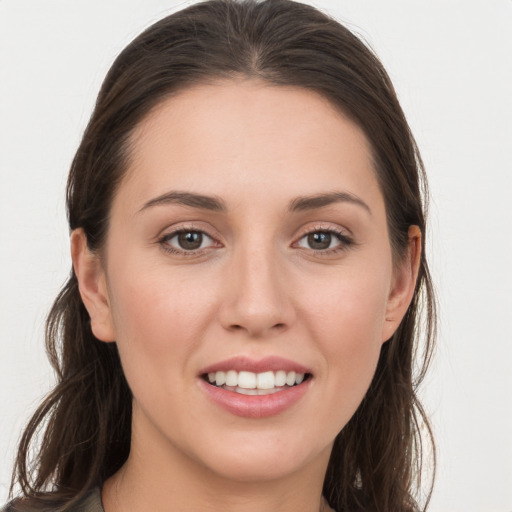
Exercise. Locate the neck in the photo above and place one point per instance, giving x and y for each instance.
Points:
(166, 479)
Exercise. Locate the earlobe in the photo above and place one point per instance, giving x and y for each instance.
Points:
(403, 284)
(93, 286)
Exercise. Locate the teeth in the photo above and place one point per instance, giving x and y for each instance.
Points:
(280, 378)
(244, 391)
(231, 378)
(247, 380)
(249, 383)
(266, 380)
(290, 378)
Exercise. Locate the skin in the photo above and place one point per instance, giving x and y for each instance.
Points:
(255, 288)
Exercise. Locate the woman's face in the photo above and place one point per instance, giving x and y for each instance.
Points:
(247, 241)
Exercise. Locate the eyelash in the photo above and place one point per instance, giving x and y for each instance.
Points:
(165, 239)
(345, 241)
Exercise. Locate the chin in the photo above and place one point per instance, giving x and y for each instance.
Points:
(261, 458)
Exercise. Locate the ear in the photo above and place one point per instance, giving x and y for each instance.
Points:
(92, 284)
(403, 284)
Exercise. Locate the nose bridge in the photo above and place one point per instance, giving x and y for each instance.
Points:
(257, 301)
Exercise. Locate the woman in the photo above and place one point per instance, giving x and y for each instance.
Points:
(247, 235)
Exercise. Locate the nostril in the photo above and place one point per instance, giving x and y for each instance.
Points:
(238, 327)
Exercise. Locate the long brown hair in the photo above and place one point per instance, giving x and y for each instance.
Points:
(85, 422)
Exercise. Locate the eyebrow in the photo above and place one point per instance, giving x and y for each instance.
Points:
(187, 199)
(216, 204)
(305, 203)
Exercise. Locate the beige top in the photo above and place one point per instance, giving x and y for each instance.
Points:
(92, 503)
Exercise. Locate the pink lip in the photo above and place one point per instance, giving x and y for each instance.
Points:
(244, 363)
(255, 406)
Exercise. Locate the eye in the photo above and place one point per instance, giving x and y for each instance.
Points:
(186, 241)
(325, 240)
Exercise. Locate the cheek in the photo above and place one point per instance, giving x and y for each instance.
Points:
(346, 317)
(157, 316)
(348, 310)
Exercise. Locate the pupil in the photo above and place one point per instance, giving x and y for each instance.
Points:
(319, 240)
(190, 240)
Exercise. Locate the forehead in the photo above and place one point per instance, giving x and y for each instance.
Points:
(253, 106)
(247, 136)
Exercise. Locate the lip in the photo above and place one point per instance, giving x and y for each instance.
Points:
(247, 364)
(255, 406)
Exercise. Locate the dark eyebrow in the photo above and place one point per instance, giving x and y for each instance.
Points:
(216, 204)
(321, 200)
(187, 199)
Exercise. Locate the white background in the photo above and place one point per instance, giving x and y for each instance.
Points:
(451, 63)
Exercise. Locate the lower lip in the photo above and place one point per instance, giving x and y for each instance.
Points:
(255, 406)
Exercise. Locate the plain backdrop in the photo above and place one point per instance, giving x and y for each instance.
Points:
(451, 63)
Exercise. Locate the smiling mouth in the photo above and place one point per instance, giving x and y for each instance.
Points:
(249, 383)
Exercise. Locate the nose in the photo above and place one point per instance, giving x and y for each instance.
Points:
(257, 299)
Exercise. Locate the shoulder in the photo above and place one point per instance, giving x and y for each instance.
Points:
(91, 502)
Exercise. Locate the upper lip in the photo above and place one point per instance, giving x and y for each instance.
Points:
(248, 364)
